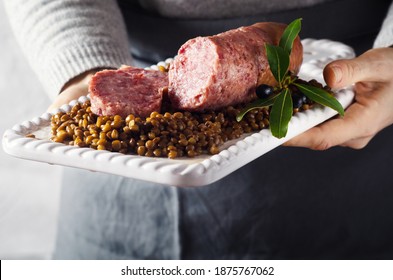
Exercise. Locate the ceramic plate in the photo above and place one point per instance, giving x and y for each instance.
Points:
(184, 172)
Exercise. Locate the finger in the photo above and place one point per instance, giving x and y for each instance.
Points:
(66, 97)
(73, 89)
(358, 143)
(334, 132)
(372, 66)
(365, 87)
(316, 138)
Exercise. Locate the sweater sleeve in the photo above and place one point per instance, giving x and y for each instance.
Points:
(64, 38)
(385, 36)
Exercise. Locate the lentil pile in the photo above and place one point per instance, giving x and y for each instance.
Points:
(169, 135)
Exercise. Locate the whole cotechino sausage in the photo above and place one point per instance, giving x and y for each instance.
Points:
(217, 71)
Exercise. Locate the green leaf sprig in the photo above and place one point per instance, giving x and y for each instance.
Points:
(281, 101)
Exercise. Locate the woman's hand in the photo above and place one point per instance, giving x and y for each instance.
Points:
(372, 110)
(74, 89)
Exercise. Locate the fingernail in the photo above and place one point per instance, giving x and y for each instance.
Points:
(338, 74)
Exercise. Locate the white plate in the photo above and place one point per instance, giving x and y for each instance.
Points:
(186, 172)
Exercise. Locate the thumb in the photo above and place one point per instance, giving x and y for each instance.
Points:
(369, 67)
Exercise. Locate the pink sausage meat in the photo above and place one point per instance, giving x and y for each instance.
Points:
(127, 90)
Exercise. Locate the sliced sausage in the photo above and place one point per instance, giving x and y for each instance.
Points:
(127, 90)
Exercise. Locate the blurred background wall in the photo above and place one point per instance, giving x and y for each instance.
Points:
(29, 191)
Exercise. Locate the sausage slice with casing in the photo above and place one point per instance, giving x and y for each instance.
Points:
(128, 90)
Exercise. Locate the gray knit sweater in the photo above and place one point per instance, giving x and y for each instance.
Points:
(63, 38)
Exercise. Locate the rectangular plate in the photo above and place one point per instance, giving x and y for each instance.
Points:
(184, 172)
